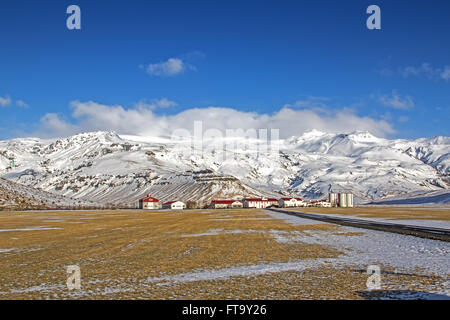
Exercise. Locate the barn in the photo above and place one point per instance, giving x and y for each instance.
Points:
(149, 203)
(260, 203)
(225, 204)
(174, 205)
(291, 202)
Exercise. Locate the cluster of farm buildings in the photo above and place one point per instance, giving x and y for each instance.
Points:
(334, 200)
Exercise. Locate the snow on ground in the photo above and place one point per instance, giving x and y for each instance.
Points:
(7, 250)
(401, 252)
(365, 247)
(293, 220)
(240, 219)
(215, 232)
(360, 248)
(413, 222)
(30, 229)
(253, 270)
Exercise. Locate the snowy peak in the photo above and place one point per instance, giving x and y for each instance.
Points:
(363, 137)
(335, 144)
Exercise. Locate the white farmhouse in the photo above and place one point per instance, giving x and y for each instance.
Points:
(222, 204)
(291, 202)
(260, 203)
(174, 205)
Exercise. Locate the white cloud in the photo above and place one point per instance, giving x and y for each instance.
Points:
(403, 119)
(427, 70)
(397, 102)
(92, 116)
(445, 74)
(169, 68)
(316, 103)
(51, 125)
(6, 101)
(162, 103)
(21, 103)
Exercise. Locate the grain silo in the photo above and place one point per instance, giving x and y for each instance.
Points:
(342, 200)
(333, 197)
(349, 199)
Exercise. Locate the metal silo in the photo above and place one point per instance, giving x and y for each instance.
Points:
(342, 200)
(349, 200)
(333, 197)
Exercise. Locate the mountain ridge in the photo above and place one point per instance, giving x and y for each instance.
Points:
(106, 167)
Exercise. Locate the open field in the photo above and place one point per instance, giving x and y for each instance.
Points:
(209, 254)
(395, 213)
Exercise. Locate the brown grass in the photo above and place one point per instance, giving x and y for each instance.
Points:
(131, 245)
(118, 250)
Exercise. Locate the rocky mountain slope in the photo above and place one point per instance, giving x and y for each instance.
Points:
(14, 196)
(105, 167)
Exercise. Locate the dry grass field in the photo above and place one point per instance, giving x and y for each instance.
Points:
(396, 213)
(191, 254)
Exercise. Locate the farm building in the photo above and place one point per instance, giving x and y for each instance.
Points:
(319, 204)
(291, 202)
(149, 203)
(323, 204)
(260, 203)
(343, 200)
(224, 204)
(333, 198)
(174, 205)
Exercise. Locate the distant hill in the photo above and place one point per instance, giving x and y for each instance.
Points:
(418, 198)
(14, 196)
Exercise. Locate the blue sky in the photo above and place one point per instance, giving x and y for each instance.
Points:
(316, 58)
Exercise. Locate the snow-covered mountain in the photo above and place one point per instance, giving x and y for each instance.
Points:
(105, 167)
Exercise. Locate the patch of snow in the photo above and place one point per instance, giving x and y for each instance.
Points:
(252, 270)
(367, 247)
(7, 250)
(293, 220)
(39, 228)
(215, 232)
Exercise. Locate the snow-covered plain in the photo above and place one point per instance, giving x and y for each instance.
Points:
(105, 167)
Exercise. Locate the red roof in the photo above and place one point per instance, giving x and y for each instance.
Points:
(225, 201)
(170, 202)
(288, 199)
(263, 200)
(150, 199)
